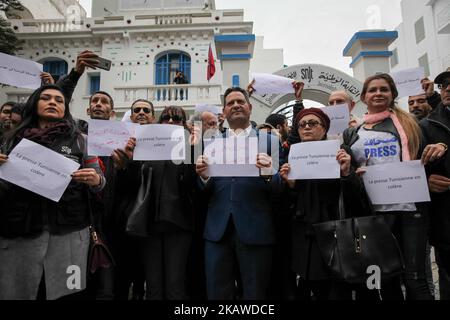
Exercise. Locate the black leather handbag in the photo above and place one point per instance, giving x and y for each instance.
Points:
(350, 246)
(137, 222)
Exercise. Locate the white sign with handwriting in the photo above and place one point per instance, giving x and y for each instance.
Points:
(339, 116)
(232, 157)
(399, 182)
(269, 83)
(408, 82)
(106, 136)
(157, 142)
(314, 160)
(38, 169)
(19, 72)
(200, 108)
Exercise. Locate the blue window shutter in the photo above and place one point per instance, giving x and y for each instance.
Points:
(167, 63)
(236, 81)
(57, 68)
(95, 84)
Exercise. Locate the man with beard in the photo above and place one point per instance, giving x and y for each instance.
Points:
(419, 106)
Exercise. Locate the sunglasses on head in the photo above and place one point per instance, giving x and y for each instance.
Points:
(175, 118)
(310, 123)
(145, 109)
(444, 84)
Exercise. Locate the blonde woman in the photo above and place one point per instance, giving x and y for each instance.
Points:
(389, 135)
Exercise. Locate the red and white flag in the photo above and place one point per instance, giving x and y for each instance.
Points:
(211, 65)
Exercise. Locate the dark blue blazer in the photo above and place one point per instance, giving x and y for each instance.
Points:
(245, 200)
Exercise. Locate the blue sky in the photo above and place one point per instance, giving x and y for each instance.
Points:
(313, 31)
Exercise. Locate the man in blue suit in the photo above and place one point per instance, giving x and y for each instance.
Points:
(239, 229)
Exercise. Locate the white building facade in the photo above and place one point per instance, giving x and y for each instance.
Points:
(147, 42)
(423, 37)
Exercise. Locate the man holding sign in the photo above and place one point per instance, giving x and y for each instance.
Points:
(239, 221)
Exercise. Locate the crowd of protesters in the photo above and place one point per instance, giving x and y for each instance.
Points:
(211, 238)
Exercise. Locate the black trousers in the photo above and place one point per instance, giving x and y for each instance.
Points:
(164, 256)
(411, 231)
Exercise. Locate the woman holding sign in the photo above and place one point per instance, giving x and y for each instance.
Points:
(164, 247)
(390, 135)
(315, 201)
(44, 244)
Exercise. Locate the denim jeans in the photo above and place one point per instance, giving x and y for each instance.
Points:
(411, 231)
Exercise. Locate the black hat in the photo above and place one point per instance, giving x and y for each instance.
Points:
(444, 75)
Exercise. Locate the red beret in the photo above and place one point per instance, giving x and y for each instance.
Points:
(318, 113)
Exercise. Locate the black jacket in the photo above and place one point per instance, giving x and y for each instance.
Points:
(172, 190)
(436, 129)
(68, 84)
(26, 214)
(317, 201)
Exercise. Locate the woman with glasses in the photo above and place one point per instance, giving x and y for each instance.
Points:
(390, 135)
(314, 201)
(165, 250)
(39, 238)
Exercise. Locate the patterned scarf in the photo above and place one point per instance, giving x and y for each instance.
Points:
(48, 136)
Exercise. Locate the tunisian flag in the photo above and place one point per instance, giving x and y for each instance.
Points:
(211, 65)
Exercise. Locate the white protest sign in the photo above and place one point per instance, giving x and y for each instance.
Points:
(38, 169)
(19, 72)
(339, 116)
(200, 108)
(269, 83)
(408, 82)
(106, 136)
(314, 160)
(232, 157)
(399, 182)
(158, 142)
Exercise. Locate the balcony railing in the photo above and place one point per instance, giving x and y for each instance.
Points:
(164, 95)
(144, 19)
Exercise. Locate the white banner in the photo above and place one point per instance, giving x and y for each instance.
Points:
(19, 72)
(339, 116)
(272, 84)
(157, 142)
(106, 136)
(400, 182)
(38, 169)
(314, 160)
(408, 82)
(232, 157)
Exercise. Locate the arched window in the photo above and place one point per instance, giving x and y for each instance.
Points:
(56, 67)
(167, 65)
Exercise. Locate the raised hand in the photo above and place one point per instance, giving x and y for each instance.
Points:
(86, 59)
(298, 87)
(344, 160)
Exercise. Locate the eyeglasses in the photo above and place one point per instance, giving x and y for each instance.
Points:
(175, 118)
(311, 123)
(444, 84)
(6, 111)
(145, 109)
